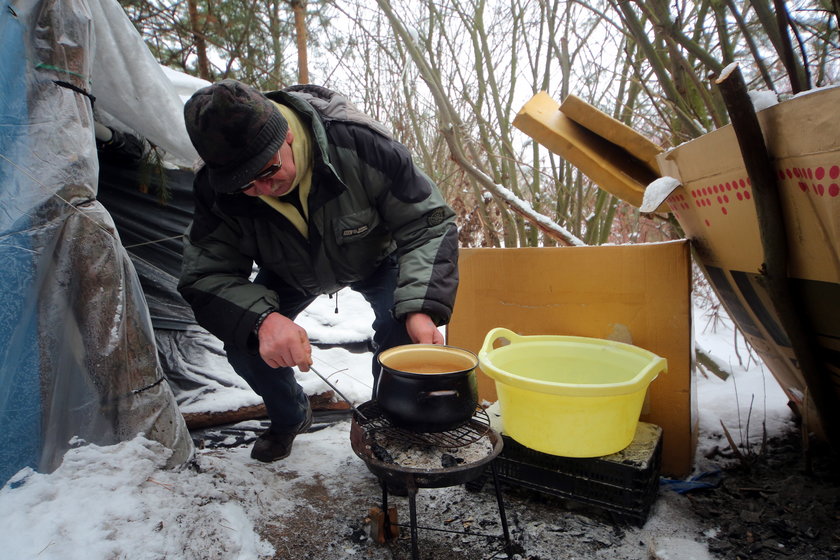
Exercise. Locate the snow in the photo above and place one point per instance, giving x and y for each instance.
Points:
(728, 69)
(749, 401)
(119, 502)
(657, 192)
(762, 99)
(526, 209)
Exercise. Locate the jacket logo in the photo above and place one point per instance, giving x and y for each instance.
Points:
(435, 217)
(354, 231)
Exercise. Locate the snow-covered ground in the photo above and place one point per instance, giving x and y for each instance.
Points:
(118, 502)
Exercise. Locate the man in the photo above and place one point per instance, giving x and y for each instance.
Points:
(320, 197)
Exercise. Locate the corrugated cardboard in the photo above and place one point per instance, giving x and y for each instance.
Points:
(640, 291)
(715, 208)
(609, 165)
(611, 130)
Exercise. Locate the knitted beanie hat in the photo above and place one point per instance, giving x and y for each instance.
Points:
(236, 130)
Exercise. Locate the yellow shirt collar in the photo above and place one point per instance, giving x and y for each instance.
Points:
(302, 152)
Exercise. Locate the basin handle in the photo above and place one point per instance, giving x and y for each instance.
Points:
(496, 334)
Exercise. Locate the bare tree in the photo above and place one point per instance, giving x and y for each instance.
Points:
(449, 75)
(687, 41)
(477, 62)
(262, 42)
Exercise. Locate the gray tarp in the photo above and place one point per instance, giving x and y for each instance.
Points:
(193, 360)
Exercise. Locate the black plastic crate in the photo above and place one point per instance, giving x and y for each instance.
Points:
(624, 483)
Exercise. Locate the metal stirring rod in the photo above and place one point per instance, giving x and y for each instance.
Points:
(339, 393)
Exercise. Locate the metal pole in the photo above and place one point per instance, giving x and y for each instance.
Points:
(412, 509)
(502, 516)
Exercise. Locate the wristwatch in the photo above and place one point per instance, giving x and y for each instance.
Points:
(260, 319)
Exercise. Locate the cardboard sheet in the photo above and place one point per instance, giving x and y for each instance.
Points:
(632, 293)
(612, 130)
(608, 165)
(715, 208)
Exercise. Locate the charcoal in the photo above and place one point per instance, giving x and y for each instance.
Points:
(381, 453)
(448, 461)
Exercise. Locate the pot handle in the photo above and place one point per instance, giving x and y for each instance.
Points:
(447, 393)
(496, 334)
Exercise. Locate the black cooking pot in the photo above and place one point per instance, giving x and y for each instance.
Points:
(427, 387)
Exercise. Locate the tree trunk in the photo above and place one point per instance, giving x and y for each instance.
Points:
(200, 45)
(299, 9)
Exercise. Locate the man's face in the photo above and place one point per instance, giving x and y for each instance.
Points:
(280, 182)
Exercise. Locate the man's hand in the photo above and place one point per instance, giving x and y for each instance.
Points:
(283, 343)
(422, 329)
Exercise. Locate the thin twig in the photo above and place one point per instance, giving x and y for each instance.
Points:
(164, 484)
(732, 445)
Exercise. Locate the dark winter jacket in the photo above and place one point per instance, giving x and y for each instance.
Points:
(368, 200)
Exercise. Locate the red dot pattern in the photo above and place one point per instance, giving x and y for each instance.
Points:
(821, 181)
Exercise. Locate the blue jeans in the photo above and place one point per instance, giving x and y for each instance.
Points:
(284, 398)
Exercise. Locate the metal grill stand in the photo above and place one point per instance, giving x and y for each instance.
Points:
(412, 509)
(369, 424)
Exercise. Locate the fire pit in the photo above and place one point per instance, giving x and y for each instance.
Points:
(405, 461)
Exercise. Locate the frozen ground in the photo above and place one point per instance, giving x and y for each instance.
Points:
(117, 502)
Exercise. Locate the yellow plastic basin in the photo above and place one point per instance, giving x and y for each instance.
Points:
(569, 395)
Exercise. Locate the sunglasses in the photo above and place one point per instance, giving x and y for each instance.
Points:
(264, 174)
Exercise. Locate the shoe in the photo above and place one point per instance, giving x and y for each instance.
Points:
(274, 446)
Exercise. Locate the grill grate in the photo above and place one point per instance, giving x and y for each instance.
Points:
(375, 423)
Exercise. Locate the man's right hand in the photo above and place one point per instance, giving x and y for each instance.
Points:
(283, 343)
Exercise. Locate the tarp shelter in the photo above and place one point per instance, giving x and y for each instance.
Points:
(192, 359)
(78, 358)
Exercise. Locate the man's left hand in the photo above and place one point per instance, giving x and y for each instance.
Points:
(422, 329)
